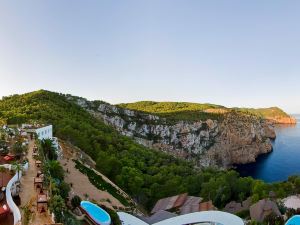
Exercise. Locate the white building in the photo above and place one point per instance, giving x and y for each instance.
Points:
(45, 132)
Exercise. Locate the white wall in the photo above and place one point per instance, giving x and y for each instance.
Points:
(11, 204)
(13, 207)
(45, 132)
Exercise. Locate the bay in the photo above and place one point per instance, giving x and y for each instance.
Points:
(283, 161)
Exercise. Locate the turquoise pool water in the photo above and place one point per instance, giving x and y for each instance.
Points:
(99, 215)
(295, 220)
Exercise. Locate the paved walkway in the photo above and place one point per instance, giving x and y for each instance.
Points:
(28, 193)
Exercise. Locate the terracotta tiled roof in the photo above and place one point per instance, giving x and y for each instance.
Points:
(262, 208)
(169, 203)
(206, 206)
(233, 207)
(191, 205)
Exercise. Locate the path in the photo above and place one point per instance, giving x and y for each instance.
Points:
(28, 193)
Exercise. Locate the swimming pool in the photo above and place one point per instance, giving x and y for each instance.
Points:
(97, 214)
(295, 220)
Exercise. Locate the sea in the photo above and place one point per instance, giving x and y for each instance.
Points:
(283, 161)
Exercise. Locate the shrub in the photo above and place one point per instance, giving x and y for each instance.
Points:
(75, 201)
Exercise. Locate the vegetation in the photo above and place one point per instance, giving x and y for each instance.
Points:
(265, 112)
(55, 169)
(27, 214)
(58, 189)
(17, 167)
(175, 111)
(18, 149)
(75, 201)
(113, 215)
(57, 206)
(2, 171)
(69, 219)
(3, 145)
(147, 175)
(101, 184)
(49, 149)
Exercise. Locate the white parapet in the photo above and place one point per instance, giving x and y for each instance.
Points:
(215, 217)
(11, 204)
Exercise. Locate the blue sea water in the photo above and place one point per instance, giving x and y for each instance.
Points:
(283, 162)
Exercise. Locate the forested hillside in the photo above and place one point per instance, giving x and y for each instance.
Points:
(175, 111)
(145, 174)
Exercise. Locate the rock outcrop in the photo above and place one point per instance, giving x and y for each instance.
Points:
(236, 139)
(282, 120)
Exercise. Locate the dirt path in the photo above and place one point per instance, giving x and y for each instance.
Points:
(81, 185)
(28, 194)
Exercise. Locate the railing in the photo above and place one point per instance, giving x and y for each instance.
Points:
(11, 204)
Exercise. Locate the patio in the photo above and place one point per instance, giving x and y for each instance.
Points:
(6, 219)
(6, 178)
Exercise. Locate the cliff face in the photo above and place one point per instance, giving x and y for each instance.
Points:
(282, 120)
(237, 139)
(241, 139)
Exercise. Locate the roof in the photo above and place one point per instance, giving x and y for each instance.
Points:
(127, 219)
(169, 203)
(292, 202)
(199, 217)
(262, 208)
(159, 216)
(247, 203)
(206, 206)
(233, 207)
(191, 205)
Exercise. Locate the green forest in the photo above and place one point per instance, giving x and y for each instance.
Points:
(146, 174)
(175, 111)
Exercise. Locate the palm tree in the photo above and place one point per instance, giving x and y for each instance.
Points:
(18, 168)
(2, 170)
(18, 149)
(48, 149)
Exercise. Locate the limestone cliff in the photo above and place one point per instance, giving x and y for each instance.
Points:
(236, 139)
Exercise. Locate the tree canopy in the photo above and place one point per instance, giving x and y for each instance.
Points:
(146, 174)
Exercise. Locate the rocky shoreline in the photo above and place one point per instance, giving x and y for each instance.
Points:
(236, 139)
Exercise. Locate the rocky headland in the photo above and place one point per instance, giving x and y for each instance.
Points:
(236, 138)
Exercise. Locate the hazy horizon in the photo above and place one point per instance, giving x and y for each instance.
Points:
(235, 54)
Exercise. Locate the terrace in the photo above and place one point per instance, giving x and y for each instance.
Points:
(5, 218)
(13, 148)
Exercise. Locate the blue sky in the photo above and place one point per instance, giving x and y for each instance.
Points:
(234, 53)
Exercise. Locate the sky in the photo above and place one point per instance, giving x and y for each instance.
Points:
(233, 53)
